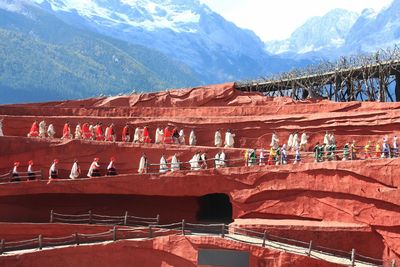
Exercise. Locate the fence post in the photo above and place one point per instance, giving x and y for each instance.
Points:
(40, 242)
(223, 230)
(90, 217)
(158, 218)
(51, 216)
(183, 227)
(77, 239)
(353, 257)
(126, 218)
(115, 233)
(2, 245)
(150, 232)
(393, 262)
(264, 238)
(309, 249)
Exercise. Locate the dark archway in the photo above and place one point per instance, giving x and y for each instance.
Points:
(214, 208)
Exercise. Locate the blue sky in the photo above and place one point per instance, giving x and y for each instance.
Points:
(277, 19)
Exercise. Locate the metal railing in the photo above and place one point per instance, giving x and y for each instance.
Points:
(93, 218)
(251, 237)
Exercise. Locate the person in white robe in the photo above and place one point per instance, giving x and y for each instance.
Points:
(290, 141)
(53, 171)
(229, 138)
(192, 138)
(75, 170)
(92, 129)
(50, 131)
(303, 141)
(94, 169)
(175, 165)
(274, 141)
(182, 137)
(42, 129)
(1, 127)
(163, 164)
(159, 136)
(216, 160)
(332, 140)
(106, 133)
(136, 135)
(218, 138)
(222, 159)
(143, 164)
(327, 139)
(195, 162)
(78, 131)
(295, 141)
(203, 158)
(395, 152)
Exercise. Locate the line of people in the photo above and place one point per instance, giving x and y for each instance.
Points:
(94, 170)
(168, 135)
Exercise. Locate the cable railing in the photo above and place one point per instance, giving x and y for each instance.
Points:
(22, 176)
(93, 218)
(235, 233)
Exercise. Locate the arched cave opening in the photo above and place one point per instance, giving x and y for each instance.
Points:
(214, 208)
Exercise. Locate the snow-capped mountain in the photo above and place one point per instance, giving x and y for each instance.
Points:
(317, 33)
(342, 32)
(216, 49)
(374, 31)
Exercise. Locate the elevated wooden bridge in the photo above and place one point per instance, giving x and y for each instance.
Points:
(365, 78)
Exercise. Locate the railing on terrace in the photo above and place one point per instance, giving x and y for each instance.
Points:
(22, 176)
(154, 168)
(93, 218)
(238, 234)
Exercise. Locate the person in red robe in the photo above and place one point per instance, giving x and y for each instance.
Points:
(85, 131)
(167, 136)
(67, 131)
(34, 132)
(146, 135)
(99, 132)
(125, 134)
(110, 133)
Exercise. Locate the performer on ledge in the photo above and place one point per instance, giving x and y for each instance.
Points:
(137, 135)
(1, 127)
(75, 170)
(182, 137)
(163, 164)
(167, 135)
(94, 170)
(53, 171)
(99, 132)
(31, 174)
(86, 133)
(34, 132)
(229, 138)
(78, 131)
(111, 170)
(146, 135)
(50, 131)
(217, 138)
(15, 174)
(67, 131)
(192, 138)
(143, 164)
(125, 133)
(42, 129)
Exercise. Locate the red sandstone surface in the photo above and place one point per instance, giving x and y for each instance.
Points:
(342, 205)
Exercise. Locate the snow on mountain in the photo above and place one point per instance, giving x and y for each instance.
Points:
(186, 30)
(317, 33)
(374, 31)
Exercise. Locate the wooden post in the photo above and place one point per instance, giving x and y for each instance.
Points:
(353, 257)
(77, 239)
(264, 238)
(2, 246)
(51, 216)
(90, 216)
(183, 227)
(309, 249)
(158, 218)
(126, 218)
(150, 232)
(40, 242)
(223, 230)
(115, 233)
